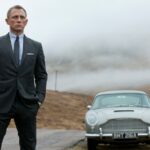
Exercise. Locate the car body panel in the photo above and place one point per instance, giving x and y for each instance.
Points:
(124, 112)
(130, 122)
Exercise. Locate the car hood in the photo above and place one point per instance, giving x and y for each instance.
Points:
(123, 112)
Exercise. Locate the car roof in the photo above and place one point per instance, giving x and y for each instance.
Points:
(121, 92)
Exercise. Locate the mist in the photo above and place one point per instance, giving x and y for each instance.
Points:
(93, 45)
(90, 66)
(99, 63)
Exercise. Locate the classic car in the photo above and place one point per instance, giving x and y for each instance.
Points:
(118, 116)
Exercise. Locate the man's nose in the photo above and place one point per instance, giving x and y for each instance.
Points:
(19, 19)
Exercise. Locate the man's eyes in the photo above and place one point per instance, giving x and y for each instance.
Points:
(17, 17)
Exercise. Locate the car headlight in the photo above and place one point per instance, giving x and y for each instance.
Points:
(91, 118)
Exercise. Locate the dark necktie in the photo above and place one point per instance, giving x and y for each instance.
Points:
(16, 51)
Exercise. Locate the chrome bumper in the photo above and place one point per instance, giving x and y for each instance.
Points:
(101, 134)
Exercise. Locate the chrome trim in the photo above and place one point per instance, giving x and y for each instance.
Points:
(91, 135)
(100, 132)
(110, 135)
(116, 125)
(149, 132)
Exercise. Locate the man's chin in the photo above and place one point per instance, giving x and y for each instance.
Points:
(18, 30)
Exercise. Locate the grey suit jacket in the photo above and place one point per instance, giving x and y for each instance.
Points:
(29, 78)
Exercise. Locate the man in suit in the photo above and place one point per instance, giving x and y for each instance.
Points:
(23, 79)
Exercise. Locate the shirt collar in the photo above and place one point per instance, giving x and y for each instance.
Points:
(12, 35)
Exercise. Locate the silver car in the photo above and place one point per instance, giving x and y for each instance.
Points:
(118, 116)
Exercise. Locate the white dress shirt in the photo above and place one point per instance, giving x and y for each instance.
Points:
(12, 39)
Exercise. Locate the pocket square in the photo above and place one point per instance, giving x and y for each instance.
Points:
(30, 53)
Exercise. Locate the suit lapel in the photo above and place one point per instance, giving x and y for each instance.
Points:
(26, 47)
(9, 48)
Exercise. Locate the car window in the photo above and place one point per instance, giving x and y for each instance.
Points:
(121, 100)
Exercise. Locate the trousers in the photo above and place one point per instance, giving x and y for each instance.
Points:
(24, 114)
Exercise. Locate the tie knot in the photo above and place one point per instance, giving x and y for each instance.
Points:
(17, 38)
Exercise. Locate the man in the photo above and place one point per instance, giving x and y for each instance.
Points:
(23, 79)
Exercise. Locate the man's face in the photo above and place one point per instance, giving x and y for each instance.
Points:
(17, 21)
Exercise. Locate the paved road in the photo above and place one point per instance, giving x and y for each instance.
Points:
(46, 139)
(82, 146)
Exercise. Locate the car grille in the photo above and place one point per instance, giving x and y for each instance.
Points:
(116, 125)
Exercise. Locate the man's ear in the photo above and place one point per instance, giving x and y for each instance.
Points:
(7, 21)
(26, 21)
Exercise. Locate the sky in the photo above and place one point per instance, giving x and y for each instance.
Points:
(90, 45)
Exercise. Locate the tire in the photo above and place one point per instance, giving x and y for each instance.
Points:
(91, 144)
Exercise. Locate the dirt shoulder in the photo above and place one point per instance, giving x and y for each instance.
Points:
(62, 110)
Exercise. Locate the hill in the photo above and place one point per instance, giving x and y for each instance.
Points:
(62, 110)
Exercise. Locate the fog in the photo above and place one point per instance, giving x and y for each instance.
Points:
(88, 71)
(93, 45)
(93, 82)
(98, 63)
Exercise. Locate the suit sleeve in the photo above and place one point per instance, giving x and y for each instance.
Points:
(40, 74)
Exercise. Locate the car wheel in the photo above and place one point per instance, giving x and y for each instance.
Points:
(91, 144)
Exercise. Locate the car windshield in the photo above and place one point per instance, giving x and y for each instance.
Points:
(121, 100)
